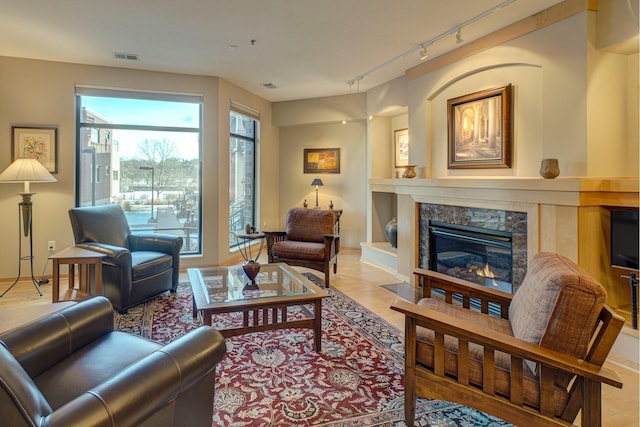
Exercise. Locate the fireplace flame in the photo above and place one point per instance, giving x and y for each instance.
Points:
(484, 272)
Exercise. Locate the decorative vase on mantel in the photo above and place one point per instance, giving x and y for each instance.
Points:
(409, 171)
(549, 168)
(391, 232)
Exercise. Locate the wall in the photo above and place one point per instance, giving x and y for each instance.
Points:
(569, 102)
(347, 189)
(42, 93)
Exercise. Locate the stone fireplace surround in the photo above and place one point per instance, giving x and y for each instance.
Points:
(489, 219)
(564, 215)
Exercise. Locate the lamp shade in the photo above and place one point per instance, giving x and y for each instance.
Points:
(317, 182)
(26, 171)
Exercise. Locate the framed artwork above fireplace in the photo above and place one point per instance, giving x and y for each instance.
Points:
(479, 128)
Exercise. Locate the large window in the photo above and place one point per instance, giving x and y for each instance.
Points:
(142, 151)
(242, 172)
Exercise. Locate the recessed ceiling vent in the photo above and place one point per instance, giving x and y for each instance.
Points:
(126, 56)
(269, 85)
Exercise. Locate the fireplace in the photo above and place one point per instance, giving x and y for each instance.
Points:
(474, 254)
(470, 242)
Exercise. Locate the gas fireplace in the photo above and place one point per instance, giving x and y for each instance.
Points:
(474, 254)
(484, 246)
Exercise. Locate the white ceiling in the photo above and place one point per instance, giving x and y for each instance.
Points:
(306, 48)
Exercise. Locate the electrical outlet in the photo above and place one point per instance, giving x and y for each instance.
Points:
(52, 245)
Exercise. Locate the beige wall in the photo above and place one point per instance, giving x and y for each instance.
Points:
(569, 102)
(347, 189)
(42, 93)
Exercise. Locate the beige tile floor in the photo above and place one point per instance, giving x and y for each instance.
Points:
(363, 283)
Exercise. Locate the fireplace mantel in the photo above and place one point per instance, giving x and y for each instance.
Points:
(560, 191)
(569, 216)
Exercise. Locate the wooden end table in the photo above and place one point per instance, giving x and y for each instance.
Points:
(84, 259)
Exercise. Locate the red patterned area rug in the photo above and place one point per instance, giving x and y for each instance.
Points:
(275, 378)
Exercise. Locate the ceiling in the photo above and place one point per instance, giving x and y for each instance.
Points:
(305, 48)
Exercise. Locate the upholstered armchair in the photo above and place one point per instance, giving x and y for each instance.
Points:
(137, 267)
(309, 240)
(71, 369)
(540, 362)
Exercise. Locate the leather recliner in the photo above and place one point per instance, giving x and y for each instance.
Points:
(72, 369)
(137, 267)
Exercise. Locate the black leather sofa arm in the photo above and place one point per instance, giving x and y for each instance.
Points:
(143, 389)
(155, 242)
(45, 342)
(115, 255)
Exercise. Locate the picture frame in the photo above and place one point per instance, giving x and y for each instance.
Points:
(479, 129)
(401, 145)
(322, 160)
(36, 142)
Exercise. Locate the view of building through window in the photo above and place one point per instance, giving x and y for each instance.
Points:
(242, 171)
(143, 154)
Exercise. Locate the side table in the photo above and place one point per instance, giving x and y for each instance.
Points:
(244, 245)
(84, 259)
(251, 266)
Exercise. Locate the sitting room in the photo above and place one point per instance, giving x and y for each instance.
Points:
(351, 155)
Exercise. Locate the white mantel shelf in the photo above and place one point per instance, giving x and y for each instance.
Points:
(560, 191)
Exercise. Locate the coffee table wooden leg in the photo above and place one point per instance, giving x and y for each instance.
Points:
(206, 317)
(317, 323)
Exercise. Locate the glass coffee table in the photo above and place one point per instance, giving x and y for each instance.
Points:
(265, 305)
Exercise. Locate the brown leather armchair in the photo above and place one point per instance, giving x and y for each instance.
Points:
(72, 369)
(137, 267)
(309, 240)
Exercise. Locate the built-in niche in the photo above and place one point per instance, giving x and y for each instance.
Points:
(384, 209)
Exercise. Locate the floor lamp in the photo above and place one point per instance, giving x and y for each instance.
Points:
(25, 171)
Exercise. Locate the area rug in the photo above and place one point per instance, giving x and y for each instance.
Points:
(275, 378)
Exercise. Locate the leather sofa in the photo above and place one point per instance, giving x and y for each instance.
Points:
(72, 369)
(137, 267)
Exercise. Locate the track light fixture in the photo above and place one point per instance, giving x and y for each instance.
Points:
(423, 47)
(424, 53)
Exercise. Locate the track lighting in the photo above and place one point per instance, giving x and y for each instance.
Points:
(423, 47)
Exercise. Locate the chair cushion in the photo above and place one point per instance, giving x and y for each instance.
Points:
(102, 224)
(149, 263)
(556, 288)
(425, 354)
(298, 250)
(309, 225)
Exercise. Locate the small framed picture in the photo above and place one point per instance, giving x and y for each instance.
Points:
(321, 160)
(401, 138)
(36, 142)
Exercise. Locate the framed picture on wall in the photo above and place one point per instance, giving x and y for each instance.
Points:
(479, 127)
(401, 144)
(321, 160)
(36, 142)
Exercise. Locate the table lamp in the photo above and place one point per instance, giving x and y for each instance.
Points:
(317, 182)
